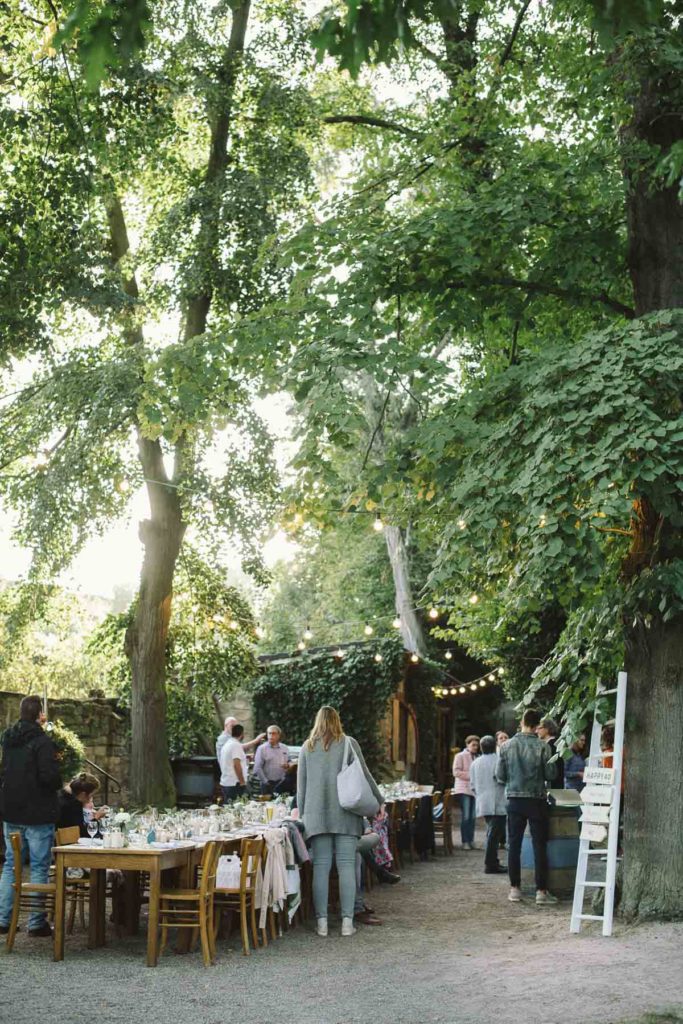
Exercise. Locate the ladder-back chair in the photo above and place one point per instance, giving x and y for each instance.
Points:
(193, 908)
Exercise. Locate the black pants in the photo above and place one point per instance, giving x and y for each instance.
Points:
(495, 835)
(231, 793)
(535, 811)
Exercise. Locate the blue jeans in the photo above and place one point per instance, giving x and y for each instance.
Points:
(467, 819)
(343, 849)
(36, 841)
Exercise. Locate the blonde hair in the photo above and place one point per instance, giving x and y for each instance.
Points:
(327, 728)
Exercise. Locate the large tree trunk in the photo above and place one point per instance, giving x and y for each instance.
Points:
(146, 640)
(653, 824)
(411, 627)
(653, 811)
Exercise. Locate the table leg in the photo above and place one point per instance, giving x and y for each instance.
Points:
(96, 910)
(59, 909)
(153, 923)
(102, 908)
(131, 902)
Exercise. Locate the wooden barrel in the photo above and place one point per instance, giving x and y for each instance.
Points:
(563, 852)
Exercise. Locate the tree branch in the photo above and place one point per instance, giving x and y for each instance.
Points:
(372, 122)
(538, 287)
(505, 55)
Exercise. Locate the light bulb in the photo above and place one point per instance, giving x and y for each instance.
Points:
(492, 678)
(501, 671)
(396, 623)
(378, 658)
(301, 645)
(448, 655)
(414, 658)
(473, 686)
(339, 653)
(234, 624)
(462, 689)
(368, 630)
(462, 524)
(123, 487)
(307, 633)
(433, 613)
(474, 598)
(483, 682)
(378, 525)
(260, 632)
(453, 691)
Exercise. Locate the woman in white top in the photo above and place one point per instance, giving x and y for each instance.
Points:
(233, 762)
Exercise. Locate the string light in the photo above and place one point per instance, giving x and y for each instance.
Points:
(396, 623)
(123, 487)
(308, 633)
(414, 658)
(453, 691)
(473, 598)
(448, 655)
(378, 658)
(462, 524)
(301, 645)
(234, 624)
(339, 653)
(433, 613)
(260, 632)
(473, 686)
(501, 671)
(483, 682)
(462, 689)
(368, 630)
(492, 678)
(378, 525)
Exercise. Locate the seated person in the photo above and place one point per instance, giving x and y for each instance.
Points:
(75, 801)
(271, 764)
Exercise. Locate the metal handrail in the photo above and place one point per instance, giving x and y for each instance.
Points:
(107, 778)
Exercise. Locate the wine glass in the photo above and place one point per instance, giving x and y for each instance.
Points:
(92, 827)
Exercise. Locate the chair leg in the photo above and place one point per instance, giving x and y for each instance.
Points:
(271, 922)
(204, 935)
(72, 914)
(13, 925)
(244, 924)
(81, 910)
(254, 927)
(164, 938)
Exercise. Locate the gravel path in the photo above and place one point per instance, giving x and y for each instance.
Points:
(452, 950)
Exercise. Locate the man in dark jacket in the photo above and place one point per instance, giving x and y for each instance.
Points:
(525, 766)
(30, 783)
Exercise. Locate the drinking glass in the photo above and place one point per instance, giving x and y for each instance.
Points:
(92, 827)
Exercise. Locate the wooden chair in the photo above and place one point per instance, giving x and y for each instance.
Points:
(26, 894)
(242, 899)
(77, 889)
(193, 908)
(444, 827)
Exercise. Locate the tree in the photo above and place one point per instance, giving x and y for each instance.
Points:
(163, 188)
(523, 265)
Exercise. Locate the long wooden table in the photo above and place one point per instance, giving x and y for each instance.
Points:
(97, 860)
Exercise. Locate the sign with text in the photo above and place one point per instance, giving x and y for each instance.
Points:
(594, 833)
(597, 794)
(595, 815)
(603, 776)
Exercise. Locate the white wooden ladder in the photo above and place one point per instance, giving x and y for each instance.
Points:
(601, 799)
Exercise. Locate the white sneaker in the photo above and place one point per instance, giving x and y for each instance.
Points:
(544, 899)
(322, 927)
(347, 926)
(515, 895)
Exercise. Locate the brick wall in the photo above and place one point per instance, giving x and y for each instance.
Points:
(102, 727)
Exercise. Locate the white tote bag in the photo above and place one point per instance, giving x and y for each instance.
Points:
(353, 788)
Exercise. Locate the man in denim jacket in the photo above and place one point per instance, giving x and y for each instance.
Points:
(524, 766)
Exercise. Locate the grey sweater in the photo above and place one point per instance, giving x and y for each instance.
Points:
(316, 791)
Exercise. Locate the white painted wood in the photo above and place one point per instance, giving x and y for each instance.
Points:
(598, 814)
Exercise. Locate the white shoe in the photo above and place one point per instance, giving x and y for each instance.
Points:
(347, 926)
(544, 899)
(515, 895)
(322, 927)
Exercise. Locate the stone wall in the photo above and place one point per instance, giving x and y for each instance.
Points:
(102, 727)
(239, 707)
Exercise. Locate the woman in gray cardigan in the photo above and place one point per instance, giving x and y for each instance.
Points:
(331, 830)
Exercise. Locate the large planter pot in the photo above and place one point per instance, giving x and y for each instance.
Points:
(196, 780)
(563, 851)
